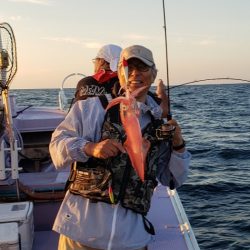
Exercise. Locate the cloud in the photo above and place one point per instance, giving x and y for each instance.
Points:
(40, 2)
(73, 40)
(195, 39)
(63, 39)
(15, 18)
(135, 37)
(93, 45)
(207, 42)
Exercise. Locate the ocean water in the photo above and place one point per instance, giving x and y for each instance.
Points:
(215, 121)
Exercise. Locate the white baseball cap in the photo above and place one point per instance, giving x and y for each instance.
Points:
(140, 52)
(111, 54)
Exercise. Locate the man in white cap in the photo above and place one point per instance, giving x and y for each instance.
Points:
(106, 203)
(105, 80)
(105, 77)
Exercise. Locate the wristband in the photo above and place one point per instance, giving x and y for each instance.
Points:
(180, 146)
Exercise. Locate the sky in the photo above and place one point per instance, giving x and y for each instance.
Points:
(55, 38)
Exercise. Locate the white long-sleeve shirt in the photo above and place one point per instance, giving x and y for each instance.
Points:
(93, 223)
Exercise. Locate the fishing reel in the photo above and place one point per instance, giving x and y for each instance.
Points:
(165, 132)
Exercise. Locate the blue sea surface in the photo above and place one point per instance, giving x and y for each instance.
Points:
(216, 123)
(215, 120)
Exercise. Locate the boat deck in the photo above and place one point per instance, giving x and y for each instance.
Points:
(45, 240)
(172, 228)
(168, 234)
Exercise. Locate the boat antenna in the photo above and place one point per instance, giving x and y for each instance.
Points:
(169, 116)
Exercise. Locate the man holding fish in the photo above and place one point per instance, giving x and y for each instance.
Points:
(121, 148)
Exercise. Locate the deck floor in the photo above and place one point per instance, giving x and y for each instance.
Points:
(162, 215)
(45, 240)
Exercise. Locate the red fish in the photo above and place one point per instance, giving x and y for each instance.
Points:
(135, 145)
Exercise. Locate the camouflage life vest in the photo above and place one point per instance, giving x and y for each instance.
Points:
(118, 173)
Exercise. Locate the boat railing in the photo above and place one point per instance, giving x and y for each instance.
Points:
(64, 101)
(184, 224)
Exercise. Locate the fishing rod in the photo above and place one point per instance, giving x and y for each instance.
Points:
(211, 79)
(169, 116)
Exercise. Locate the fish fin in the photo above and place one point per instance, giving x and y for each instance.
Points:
(114, 102)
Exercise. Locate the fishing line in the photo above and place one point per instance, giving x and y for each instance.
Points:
(186, 83)
(211, 79)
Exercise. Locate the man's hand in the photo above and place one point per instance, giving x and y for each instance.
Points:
(161, 93)
(104, 149)
(177, 138)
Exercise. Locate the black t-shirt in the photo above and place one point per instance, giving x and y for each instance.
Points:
(90, 87)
